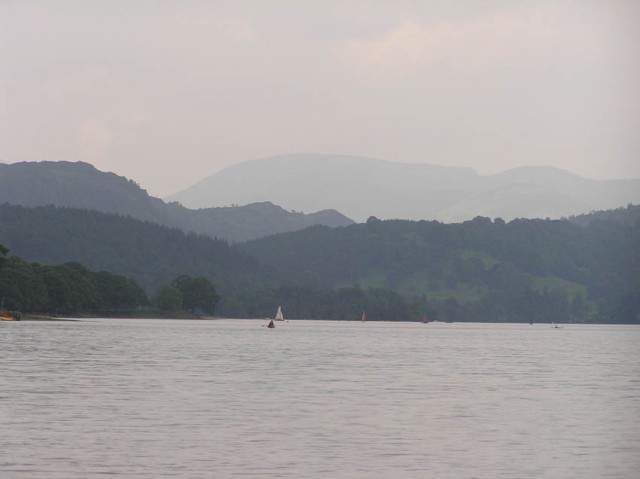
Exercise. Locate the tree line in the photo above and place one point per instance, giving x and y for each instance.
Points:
(72, 289)
(478, 270)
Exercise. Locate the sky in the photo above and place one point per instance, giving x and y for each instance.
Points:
(168, 92)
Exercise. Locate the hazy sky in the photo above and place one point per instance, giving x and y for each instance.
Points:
(169, 92)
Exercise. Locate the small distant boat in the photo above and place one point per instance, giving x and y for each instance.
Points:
(364, 317)
(4, 316)
(279, 315)
(271, 324)
(425, 319)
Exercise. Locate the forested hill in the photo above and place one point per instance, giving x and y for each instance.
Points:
(479, 270)
(486, 269)
(628, 215)
(151, 254)
(80, 185)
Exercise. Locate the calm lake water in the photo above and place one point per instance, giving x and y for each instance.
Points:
(315, 399)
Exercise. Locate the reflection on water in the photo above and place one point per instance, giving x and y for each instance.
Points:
(315, 399)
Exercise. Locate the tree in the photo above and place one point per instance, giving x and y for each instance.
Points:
(169, 299)
(118, 292)
(197, 293)
(59, 291)
(3, 252)
(22, 286)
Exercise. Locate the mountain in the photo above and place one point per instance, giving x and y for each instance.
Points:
(76, 185)
(80, 185)
(362, 187)
(151, 254)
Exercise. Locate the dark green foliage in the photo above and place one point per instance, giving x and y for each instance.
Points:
(119, 292)
(627, 215)
(151, 254)
(197, 293)
(187, 294)
(479, 270)
(169, 299)
(66, 289)
(340, 304)
(22, 286)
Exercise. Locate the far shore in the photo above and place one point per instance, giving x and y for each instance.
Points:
(179, 315)
(43, 317)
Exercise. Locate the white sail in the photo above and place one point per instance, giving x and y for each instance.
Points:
(279, 316)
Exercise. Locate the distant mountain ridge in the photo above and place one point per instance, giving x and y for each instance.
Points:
(362, 187)
(80, 185)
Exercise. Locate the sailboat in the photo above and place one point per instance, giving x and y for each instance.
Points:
(279, 316)
(425, 319)
(364, 317)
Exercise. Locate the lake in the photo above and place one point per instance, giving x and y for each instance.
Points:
(318, 399)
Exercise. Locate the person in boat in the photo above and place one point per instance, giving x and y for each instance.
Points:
(271, 324)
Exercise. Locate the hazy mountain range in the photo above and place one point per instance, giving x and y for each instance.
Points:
(362, 187)
(80, 185)
(274, 192)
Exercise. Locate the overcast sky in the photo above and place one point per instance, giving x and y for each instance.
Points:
(169, 92)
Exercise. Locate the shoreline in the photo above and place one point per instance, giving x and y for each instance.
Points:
(43, 317)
